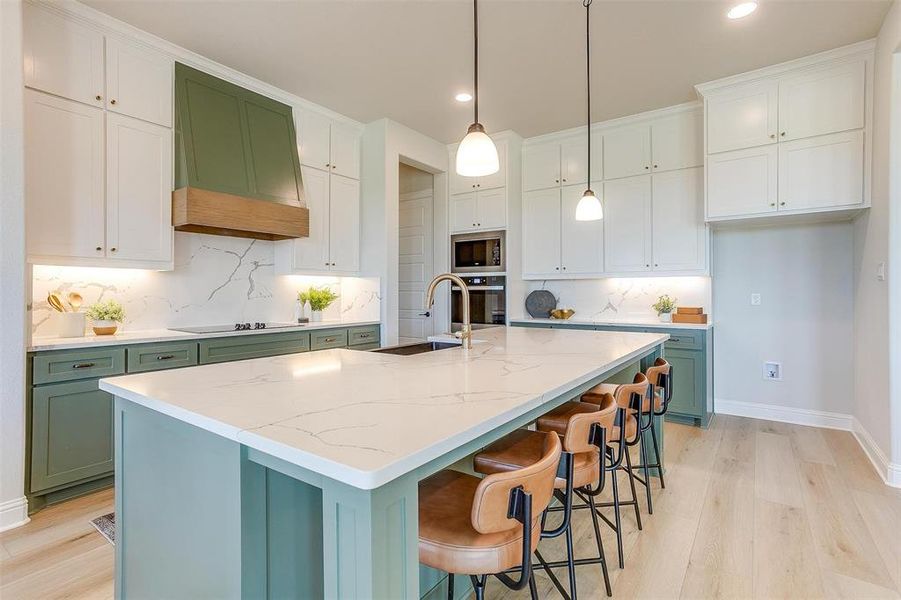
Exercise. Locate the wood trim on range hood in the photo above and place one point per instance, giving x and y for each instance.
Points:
(204, 211)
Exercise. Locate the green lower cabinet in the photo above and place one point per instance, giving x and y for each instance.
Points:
(252, 346)
(328, 338)
(688, 382)
(72, 434)
(167, 355)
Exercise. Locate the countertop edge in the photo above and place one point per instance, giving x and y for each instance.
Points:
(651, 325)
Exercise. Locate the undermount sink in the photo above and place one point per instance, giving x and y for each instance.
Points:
(417, 348)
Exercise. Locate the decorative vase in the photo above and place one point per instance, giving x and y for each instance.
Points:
(71, 324)
(298, 312)
(104, 327)
(666, 317)
(316, 316)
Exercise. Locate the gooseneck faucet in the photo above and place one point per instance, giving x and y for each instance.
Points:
(466, 333)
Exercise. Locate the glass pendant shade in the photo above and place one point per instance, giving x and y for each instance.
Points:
(477, 154)
(589, 207)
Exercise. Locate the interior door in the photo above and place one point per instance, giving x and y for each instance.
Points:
(742, 118)
(540, 166)
(627, 151)
(821, 172)
(138, 82)
(627, 224)
(823, 101)
(138, 189)
(63, 177)
(582, 242)
(541, 233)
(679, 242)
(311, 253)
(344, 223)
(742, 182)
(415, 270)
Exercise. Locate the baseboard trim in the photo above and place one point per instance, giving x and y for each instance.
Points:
(785, 414)
(13, 513)
(889, 472)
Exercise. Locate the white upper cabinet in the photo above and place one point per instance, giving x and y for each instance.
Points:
(480, 210)
(344, 224)
(822, 101)
(460, 184)
(627, 224)
(139, 82)
(463, 212)
(345, 151)
(677, 141)
(138, 190)
(541, 250)
(63, 179)
(574, 160)
(582, 250)
(627, 151)
(327, 145)
(742, 182)
(743, 117)
(540, 166)
(312, 253)
(62, 57)
(821, 172)
(677, 209)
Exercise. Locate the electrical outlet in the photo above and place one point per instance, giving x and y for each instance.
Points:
(772, 371)
(755, 299)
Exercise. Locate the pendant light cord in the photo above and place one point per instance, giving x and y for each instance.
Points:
(587, 5)
(475, 38)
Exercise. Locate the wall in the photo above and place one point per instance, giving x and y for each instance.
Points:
(804, 321)
(13, 508)
(217, 280)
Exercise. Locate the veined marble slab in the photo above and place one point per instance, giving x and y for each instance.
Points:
(39, 344)
(367, 418)
(650, 323)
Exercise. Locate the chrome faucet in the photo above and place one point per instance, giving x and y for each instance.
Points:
(466, 333)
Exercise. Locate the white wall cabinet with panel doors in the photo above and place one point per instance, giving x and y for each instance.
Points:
(327, 145)
(344, 224)
(742, 182)
(822, 101)
(677, 141)
(481, 210)
(459, 184)
(627, 151)
(743, 117)
(677, 221)
(582, 242)
(563, 162)
(540, 167)
(820, 172)
(139, 82)
(627, 225)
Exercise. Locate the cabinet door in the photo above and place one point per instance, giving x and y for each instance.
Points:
(63, 177)
(541, 232)
(271, 149)
(677, 141)
(344, 223)
(582, 242)
(138, 82)
(627, 151)
(345, 151)
(72, 434)
(498, 179)
(677, 209)
(540, 166)
(61, 56)
(315, 140)
(821, 172)
(464, 212)
(627, 224)
(574, 160)
(741, 182)
(138, 189)
(688, 382)
(824, 101)
(742, 118)
(491, 208)
(311, 253)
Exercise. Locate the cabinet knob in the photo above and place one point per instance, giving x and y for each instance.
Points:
(478, 224)
(326, 264)
(98, 248)
(655, 166)
(782, 204)
(112, 249)
(328, 165)
(772, 204)
(556, 268)
(334, 167)
(782, 134)
(556, 181)
(772, 136)
(564, 268)
(98, 97)
(113, 101)
(478, 185)
(647, 265)
(334, 264)
(646, 168)
(656, 265)
(564, 180)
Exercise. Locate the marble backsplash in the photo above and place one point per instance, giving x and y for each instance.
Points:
(216, 280)
(621, 298)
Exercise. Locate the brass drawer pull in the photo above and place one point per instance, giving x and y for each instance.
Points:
(672, 339)
(365, 335)
(165, 356)
(83, 365)
(330, 340)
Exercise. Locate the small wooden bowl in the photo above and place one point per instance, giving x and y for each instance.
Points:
(562, 313)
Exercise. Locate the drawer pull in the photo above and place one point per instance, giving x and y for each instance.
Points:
(330, 340)
(365, 335)
(672, 339)
(83, 365)
(165, 357)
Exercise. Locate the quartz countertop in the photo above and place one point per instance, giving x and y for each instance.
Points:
(39, 344)
(650, 322)
(366, 418)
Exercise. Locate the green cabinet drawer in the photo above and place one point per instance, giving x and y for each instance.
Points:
(374, 346)
(252, 346)
(363, 335)
(688, 382)
(71, 434)
(685, 339)
(70, 365)
(329, 338)
(167, 355)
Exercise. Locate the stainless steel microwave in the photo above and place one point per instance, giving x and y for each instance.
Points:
(478, 253)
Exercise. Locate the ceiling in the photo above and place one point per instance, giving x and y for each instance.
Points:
(405, 59)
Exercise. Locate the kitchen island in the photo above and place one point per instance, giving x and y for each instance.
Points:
(297, 475)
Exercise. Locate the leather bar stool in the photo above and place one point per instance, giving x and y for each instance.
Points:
(660, 376)
(584, 433)
(482, 527)
(629, 401)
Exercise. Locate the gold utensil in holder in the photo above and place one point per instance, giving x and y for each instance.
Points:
(562, 313)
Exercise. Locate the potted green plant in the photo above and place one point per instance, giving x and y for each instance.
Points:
(105, 317)
(665, 307)
(319, 299)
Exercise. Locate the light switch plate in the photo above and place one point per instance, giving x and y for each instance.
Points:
(755, 299)
(772, 371)
(880, 272)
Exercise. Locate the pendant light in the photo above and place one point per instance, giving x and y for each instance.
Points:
(476, 154)
(589, 207)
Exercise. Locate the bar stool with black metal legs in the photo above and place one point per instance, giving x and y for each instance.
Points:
(584, 433)
(660, 376)
(482, 527)
(629, 399)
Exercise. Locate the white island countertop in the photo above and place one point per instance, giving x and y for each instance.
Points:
(649, 322)
(366, 418)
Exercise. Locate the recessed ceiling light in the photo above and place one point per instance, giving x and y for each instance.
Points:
(741, 10)
(463, 97)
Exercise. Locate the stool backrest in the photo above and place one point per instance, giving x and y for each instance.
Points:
(660, 375)
(578, 431)
(624, 393)
(491, 505)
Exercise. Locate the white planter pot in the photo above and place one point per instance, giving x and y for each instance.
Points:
(71, 324)
(666, 317)
(316, 316)
(104, 327)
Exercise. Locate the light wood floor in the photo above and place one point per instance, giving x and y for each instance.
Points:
(752, 509)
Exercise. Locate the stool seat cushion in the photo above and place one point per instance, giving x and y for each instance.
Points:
(447, 539)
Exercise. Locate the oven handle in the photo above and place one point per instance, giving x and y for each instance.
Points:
(490, 288)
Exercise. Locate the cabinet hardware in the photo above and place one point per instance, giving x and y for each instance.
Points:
(564, 268)
(479, 224)
(556, 181)
(98, 248)
(556, 268)
(772, 204)
(83, 365)
(646, 167)
(334, 167)
(334, 264)
(478, 185)
(782, 204)
(330, 340)
(113, 101)
(425, 314)
(112, 249)
(656, 265)
(672, 339)
(648, 265)
(564, 181)
(366, 335)
(98, 97)
(772, 136)
(165, 357)
(327, 165)
(782, 134)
